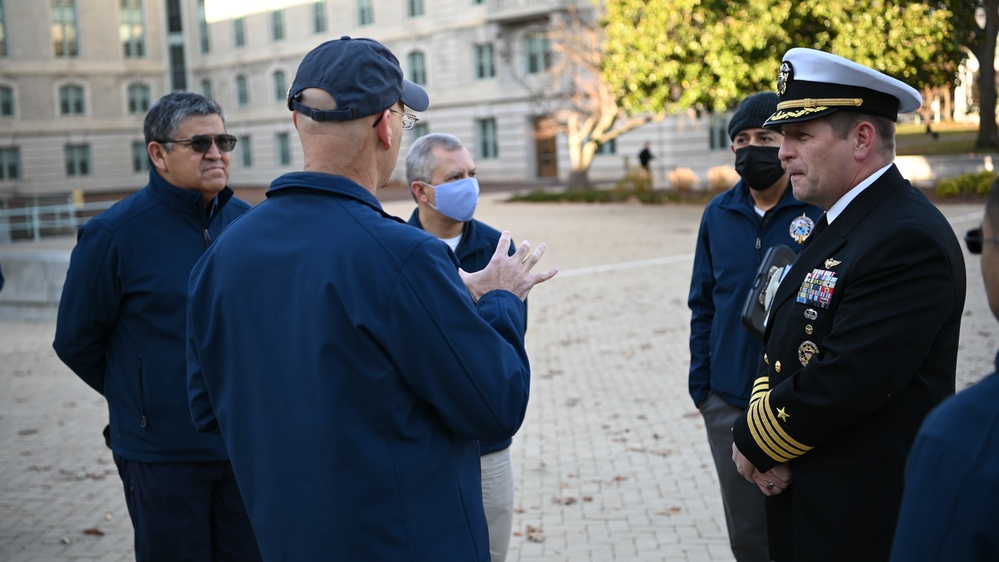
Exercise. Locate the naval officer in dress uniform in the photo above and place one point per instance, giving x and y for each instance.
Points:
(861, 341)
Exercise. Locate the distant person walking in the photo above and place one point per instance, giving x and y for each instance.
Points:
(644, 157)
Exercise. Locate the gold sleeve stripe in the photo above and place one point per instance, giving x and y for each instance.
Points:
(768, 434)
(820, 103)
(784, 442)
(760, 388)
(763, 436)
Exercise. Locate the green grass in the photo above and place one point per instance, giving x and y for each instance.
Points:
(912, 140)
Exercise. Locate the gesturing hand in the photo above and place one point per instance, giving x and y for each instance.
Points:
(508, 273)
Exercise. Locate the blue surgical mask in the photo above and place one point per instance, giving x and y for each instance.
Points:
(457, 199)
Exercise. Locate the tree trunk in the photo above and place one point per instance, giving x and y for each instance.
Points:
(988, 131)
(579, 180)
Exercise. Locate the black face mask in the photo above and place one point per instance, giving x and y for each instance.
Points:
(758, 166)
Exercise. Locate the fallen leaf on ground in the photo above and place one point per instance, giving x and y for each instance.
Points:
(535, 534)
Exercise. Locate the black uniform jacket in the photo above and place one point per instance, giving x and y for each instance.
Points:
(860, 345)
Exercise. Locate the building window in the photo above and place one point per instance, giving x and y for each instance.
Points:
(365, 12)
(138, 98)
(414, 8)
(71, 100)
(242, 92)
(10, 163)
(421, 129)
(718, 138)
(77, 159)
(178, 69)
(175, 21)
(140, 157)
(206, 45)
(284, 149)
(319, 16)
(64, 36)
(246, 151)
(280, 86)
(485, 65)
(485, 138)
(277, 25)
(206, 88)
(239, 32)
(6, 102)
(538, 51)
(609, 147)
(417, 68)
(131, 29)
(3, 31)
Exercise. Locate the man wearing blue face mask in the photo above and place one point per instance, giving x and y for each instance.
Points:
(441, 176)
(738, 227)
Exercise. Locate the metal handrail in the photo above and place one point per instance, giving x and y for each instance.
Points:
(36, 218)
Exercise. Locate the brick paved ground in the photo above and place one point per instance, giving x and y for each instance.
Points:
(611, 464)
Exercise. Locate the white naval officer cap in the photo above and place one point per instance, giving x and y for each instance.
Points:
(813, 84)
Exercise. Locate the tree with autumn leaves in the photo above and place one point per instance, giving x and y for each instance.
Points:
(635, 61)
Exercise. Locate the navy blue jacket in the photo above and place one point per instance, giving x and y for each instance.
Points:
(730, 247)
(122, 317)
(476, 248)
(949, 508)
(351, 392)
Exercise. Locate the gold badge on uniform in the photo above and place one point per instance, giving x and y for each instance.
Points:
(805, 352)
(782, 414)
(831, 263)
(801, 228)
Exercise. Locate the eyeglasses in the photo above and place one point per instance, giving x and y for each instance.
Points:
(973, 239)
(408, 120)
(203, 143)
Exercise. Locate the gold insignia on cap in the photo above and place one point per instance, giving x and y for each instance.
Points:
(777, 366)
(784, 76)
(820, 103)
(831, 263)
(782, 414)
(805, 352)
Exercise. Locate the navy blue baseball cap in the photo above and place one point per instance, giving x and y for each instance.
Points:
(362, 75)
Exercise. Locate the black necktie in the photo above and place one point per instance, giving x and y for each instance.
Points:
(822, 224)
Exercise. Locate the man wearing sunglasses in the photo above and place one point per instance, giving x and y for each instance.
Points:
(949, 509)
(121, 328)
(348, 364)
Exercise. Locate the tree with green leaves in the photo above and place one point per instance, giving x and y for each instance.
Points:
(637, 61)
(976, 23)
(709, 53)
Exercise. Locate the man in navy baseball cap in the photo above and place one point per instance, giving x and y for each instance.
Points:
(362, 75)
(349, 366)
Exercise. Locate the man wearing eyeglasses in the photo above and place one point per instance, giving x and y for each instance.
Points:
(121, 328)
(441, 176)
(949, 507)
(349, 365)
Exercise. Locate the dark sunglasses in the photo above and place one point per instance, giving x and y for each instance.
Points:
(974, 240)
(203, 143)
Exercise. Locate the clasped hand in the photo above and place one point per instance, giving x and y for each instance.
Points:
(508, 272)
(771, 482)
